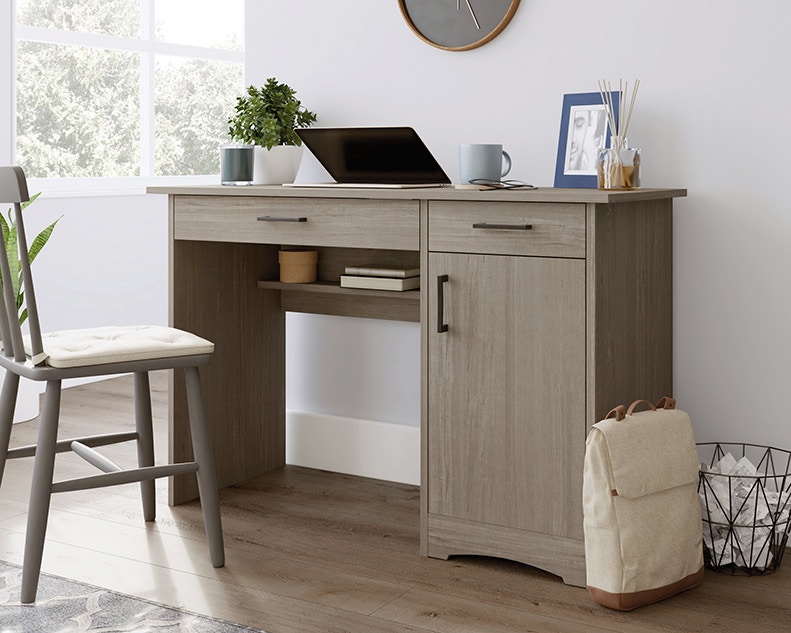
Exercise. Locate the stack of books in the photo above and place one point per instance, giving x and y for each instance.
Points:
(376, 277)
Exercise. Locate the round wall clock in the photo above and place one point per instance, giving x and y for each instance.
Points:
(457, 25)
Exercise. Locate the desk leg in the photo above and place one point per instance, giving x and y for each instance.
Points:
(214, 295)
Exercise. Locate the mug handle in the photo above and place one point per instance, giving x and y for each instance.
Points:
(507, 160)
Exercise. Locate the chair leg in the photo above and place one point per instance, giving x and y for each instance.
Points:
(145, 442)
(40, 491)
(7, 406)
(207, 481)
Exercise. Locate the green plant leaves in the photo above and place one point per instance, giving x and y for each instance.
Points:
(267, 116)
(9, 230)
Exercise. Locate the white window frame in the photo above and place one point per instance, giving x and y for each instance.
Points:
(147, 46)
(7, 101)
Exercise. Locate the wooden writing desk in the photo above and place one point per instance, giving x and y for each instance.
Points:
(558, 306)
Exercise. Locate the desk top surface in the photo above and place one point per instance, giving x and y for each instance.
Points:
(545, 194)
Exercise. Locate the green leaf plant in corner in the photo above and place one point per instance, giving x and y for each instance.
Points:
(267, 116)
(10, 238)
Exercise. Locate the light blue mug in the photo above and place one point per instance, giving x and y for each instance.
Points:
(483, 161)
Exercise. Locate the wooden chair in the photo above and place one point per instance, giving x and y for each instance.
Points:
(93, 352)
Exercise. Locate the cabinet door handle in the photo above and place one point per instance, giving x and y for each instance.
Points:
(269, 218)
(441, 327)
(506, 227)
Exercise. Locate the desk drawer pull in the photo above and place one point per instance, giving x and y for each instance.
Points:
(507, 227)
(441, 326)
(269, 218)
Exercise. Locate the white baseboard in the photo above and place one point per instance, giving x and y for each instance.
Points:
(381, 450)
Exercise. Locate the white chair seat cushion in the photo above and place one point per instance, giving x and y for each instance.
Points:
(118, 344)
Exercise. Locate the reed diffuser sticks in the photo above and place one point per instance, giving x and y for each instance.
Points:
(619, 127)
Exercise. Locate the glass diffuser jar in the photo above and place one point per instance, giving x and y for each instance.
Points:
(618, 166)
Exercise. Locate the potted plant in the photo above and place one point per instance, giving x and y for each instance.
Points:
(266, 117)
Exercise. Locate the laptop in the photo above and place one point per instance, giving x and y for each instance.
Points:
(372, 157)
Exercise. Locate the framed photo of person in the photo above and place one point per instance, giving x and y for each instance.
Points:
(583, 132)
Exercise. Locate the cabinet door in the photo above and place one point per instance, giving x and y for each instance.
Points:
(506, 393)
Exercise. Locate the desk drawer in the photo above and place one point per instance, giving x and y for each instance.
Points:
(555, 230)
(389, 224)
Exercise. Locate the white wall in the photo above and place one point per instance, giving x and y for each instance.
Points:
(106, 262)
(715, 86)
(346, 367)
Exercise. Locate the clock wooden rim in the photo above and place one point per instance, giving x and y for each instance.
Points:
(484, 40)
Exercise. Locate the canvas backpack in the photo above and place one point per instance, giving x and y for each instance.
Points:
(642, 517)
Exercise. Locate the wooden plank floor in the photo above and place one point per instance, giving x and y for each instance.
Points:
(317, 552)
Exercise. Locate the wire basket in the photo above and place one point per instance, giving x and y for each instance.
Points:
(745, 513)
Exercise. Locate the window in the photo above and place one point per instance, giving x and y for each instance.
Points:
(125, 88)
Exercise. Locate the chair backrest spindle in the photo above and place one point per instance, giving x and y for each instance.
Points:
(14, 343)
(7, 315)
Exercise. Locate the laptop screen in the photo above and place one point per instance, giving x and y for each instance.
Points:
(373, 155)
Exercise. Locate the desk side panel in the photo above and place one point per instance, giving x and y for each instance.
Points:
(214, 294)
(630, 303)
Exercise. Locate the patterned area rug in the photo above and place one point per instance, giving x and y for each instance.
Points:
(67, 606)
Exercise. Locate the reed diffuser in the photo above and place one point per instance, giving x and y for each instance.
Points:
(618, 166)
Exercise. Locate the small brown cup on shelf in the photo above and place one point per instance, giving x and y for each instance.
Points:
(298, 266)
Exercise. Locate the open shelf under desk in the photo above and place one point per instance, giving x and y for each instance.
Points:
(326, 297)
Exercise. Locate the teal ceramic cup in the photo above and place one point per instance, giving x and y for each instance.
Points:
(483, 161)
(236, 164)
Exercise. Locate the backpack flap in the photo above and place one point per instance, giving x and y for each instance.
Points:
(650, 451)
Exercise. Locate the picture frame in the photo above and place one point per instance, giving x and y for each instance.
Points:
(583, 131)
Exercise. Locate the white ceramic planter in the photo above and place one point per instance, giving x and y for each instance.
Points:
(277, 165)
